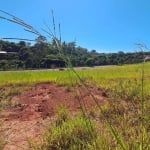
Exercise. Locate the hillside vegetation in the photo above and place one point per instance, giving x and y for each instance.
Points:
(23, 55)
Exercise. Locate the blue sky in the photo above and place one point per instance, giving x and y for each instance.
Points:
(103, 25)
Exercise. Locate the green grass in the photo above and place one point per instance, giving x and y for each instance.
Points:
(99, 75)
(67, 133)
(105, 77)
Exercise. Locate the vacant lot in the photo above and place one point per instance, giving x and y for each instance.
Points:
(115, 99)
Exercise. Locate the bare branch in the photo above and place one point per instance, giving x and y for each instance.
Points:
(21, 39)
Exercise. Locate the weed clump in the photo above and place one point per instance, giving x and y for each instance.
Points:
(67, 133)
(63, 115)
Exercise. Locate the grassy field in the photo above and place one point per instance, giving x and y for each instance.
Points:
(122, 123)
(107, 78)
(96, 74)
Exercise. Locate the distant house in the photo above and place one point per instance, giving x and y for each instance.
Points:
(147, 58)
(3, 52)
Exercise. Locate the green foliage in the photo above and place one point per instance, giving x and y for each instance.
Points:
(63, 115)
(126, 89)
(23, 55)
(72, 134)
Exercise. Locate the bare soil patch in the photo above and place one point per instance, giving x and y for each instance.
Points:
(26, 119)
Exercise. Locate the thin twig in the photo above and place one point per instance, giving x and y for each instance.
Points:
(20, 39)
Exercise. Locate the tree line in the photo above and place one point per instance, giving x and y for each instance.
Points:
(24, 55)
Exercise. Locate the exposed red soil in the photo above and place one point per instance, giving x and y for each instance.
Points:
(33, 107)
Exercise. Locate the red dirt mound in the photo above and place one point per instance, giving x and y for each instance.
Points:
(43, 100)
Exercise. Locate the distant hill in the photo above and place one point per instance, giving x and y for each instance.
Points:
(23, 55)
